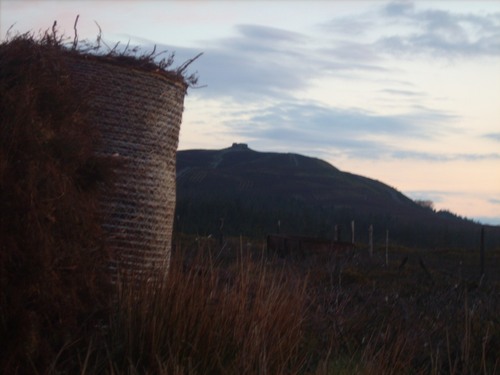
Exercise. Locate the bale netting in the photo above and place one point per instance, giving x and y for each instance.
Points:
(135, 105)
(138, 113)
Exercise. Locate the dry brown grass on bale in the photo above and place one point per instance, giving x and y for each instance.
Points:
(53, 278)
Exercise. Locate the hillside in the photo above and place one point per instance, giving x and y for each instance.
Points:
(251, 191)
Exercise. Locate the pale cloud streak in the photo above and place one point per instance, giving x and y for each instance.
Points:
(492, 136)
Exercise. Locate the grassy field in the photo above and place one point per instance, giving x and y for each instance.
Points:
(237, 310)
(426, 312)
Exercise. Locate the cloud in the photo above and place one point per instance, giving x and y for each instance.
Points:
(401, 29)
(355, 52)
(440, 33)
(398, 8)
(312, 128)
(266, 68)
(356, 133)
(271, 35)
(407, 93)
(450, 157)
(492, 136)
(261, 62)
(246, 68)
(357, 25)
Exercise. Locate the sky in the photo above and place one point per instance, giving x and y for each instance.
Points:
(404, 92)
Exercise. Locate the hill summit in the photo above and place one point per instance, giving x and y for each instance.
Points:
(249, 192)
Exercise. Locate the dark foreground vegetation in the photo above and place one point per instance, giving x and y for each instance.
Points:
(237, 310)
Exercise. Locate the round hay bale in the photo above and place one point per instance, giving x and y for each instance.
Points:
(138, 113)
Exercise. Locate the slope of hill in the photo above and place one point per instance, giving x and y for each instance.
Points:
(252, 191)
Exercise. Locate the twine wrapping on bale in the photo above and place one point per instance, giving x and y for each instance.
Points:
(138, 114)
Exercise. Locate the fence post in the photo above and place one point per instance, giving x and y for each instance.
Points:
(481, 251)
(279, 226)
(352, 231)
(335, 233)
(387, 247)
(370, 239)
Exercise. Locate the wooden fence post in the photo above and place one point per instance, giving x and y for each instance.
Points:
(370, 239)
(352, 231)
(481, 251)
(335, 233)
(387, 247)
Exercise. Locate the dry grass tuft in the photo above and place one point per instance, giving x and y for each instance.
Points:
(207, 320)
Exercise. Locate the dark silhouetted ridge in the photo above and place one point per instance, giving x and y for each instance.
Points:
(254, 190)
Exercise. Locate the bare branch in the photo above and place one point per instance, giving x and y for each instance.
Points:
(75, 39)
(126, 48)
(113, 50)
(99, 36)
(153, 51)
(184, 66)
(9, 30)
(54, 30)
